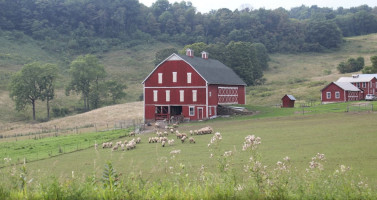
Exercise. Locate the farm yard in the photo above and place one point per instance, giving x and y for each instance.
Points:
(220, 170)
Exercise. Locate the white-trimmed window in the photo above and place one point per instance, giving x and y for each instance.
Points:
(189, 77)
(210, 94)
(167, 95)
(328, 95)
(155, 92)
(174, 77)
(364, 84)
(358, 85)
(194, 95)
(210, 111)
(159, 78)
(192, 111)
(181, 95)
(337, 95)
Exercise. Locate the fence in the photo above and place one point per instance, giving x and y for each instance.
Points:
(42, 131)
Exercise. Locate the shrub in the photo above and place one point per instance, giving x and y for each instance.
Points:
(352, 65)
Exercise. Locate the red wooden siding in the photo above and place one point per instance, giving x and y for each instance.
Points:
(182, 68)
(207, 98)
(287, 102)
(343, 95)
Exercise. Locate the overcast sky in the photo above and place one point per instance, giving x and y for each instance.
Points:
(205, 6)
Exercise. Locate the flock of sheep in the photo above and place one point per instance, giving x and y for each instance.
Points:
(161, 137)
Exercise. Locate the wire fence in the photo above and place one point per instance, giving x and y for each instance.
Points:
(43, 131)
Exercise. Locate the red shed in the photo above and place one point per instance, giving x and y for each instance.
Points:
(288, 101)
(192, 87)
(340, 92)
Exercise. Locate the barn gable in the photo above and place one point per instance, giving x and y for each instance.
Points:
(212, 71)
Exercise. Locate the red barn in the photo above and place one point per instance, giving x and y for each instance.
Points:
(288, 101)
(192, 87)
(340, 92)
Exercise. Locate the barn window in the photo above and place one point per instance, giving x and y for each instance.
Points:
(364, 84)
(194, 95)
(174, 77)
(155, 95)
(210, 111)
(167, 95)
(358, 85)
(328, 95)
(181, 95)
(160, 78)
(189, 77)
(337, 95)
(191, 110)
(210, 93)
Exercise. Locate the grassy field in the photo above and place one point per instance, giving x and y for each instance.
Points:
(345, 138)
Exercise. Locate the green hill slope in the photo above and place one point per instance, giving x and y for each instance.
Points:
(302, 75)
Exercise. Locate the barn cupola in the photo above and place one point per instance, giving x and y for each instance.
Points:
(205, 55)
(190, 52)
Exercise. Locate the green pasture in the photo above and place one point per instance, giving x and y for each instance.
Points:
(40, 147)
(345, 138)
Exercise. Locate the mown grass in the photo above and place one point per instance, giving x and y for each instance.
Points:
(40, 147)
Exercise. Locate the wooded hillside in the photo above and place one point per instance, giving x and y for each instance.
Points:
(84, 26)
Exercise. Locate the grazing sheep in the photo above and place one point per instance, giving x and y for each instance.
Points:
(95, 146)
(171, 142)
(183, 139)
(104, 145)
(122, 147)
(115, 148)
(192, 140)
(205, 130)
(125, 141)
(132, 134)
(191, 132)
(166, 133)
(171, 130)
(179, 136)
(163, 143)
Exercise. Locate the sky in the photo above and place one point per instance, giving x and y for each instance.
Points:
(205, 6)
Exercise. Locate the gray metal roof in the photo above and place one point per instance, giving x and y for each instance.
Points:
(347, 86)
(291, 97)
(213, 71)
(358, 79)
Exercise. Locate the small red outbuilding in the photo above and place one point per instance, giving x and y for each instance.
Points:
(341, 92)
(288, 101)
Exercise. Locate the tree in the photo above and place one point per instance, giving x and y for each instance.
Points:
(48, 77)
(163, 54)
(115, 90)
(352, 65)
(371, 69)
(325, 33)
(25, 86)
(86, 71)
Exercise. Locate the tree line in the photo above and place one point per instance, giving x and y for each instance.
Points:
(36, 81)
(87, 26)
(247, 60)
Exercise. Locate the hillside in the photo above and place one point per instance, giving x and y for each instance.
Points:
(302, 75)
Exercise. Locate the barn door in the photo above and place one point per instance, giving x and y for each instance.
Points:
(200, 113)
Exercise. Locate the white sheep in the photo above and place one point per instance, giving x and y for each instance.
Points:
(132, 134)
(192, 140)
(95, 146)
(138, 140)
(122, 147)
(115, 148)
(163, 143)
(183, 139)
(171, 142)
